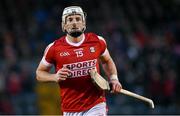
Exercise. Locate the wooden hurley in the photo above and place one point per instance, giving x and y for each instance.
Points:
(101, 83)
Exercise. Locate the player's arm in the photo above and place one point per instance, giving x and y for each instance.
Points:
(42, 71)
(43, 74)
(111, 71)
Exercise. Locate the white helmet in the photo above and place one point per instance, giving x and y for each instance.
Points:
(72, 10)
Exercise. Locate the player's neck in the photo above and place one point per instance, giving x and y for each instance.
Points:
(75, 40)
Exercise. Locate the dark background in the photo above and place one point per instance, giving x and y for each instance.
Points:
(143, 37)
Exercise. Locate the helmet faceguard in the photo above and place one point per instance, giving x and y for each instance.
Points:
(71, 11)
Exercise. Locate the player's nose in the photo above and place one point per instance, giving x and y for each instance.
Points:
(74, 25)
(74, 21)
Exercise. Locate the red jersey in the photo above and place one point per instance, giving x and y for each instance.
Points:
(78, 93)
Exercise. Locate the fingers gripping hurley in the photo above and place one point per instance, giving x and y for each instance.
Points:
(101, 83)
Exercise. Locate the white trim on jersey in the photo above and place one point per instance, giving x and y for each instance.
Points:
(105, 52)
(43, 60)
(101, 38)
(76, 44)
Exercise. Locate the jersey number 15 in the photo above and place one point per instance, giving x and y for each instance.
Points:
(79, 53)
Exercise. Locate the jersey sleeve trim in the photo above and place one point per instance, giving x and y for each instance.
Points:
(46, 51)
(101, 38)
(105, 52)
(45, 62)
(105, 46)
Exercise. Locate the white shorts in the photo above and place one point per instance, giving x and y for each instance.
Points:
(97, 110)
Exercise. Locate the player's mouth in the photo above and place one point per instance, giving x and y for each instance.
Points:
(75, 29)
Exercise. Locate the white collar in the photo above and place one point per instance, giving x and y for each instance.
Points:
(75, 44)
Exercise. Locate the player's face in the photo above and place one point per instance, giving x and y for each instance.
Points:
(74, 24)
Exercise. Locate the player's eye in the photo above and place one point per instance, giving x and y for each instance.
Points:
(78, 19)
(70, 19)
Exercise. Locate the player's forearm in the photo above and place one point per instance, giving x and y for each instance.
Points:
(110, 69)
(44, 76)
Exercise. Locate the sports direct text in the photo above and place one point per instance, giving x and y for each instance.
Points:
(79, 69)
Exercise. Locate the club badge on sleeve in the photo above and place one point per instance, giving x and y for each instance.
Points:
(92, 49)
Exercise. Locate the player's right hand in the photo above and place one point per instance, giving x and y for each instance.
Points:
(62, 74)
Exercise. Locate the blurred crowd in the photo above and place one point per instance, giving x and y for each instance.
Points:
(142, 37)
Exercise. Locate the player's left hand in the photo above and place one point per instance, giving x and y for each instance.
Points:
(115, 86)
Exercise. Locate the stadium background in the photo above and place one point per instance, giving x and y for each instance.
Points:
(142, 37)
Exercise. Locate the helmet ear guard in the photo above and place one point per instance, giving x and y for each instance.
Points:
(84, 27)
(62, 25)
